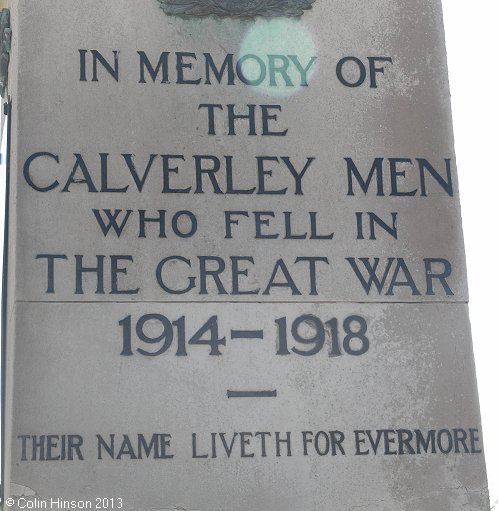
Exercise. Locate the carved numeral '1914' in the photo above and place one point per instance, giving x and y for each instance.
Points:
(157, 332)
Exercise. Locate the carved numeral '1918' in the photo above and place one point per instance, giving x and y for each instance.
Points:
(309, 331)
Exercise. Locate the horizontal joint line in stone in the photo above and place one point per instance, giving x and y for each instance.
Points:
(207, 302)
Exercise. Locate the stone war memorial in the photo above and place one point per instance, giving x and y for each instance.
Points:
(235, 272)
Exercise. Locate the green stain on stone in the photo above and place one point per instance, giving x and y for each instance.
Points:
(278, 36)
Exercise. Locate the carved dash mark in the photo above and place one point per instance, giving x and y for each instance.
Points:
(246, 334)
(251, 393)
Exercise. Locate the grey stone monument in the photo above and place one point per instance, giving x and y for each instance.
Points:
(236, 275)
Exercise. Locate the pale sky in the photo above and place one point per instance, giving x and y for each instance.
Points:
(472, 46)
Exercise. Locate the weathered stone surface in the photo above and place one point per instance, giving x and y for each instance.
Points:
(250, 313)
(326, 121)
(415, 376)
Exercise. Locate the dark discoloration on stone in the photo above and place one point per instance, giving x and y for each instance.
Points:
(236, 8)
(5, 38)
